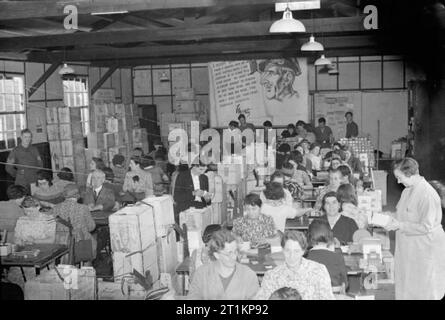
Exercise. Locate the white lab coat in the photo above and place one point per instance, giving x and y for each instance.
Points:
(420, 244)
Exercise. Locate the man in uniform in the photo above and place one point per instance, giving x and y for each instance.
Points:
(24, 161)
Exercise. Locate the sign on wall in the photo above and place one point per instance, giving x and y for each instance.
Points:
(273, 89)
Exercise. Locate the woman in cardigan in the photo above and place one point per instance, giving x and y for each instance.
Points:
(223, 278)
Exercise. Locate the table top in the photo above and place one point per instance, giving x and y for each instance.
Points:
(48, 253)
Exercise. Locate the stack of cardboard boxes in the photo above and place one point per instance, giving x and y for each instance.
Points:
(66, 140)
(361, 146)
(186, 109)
(114, 130)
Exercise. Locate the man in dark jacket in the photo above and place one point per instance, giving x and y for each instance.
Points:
(24, 161)
(191, 189)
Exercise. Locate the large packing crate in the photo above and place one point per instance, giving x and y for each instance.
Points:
(168, 253)
(133, 240)
(78, 284)
(163, 213)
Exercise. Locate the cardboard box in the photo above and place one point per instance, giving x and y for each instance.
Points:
(112, 125)
(168, 253)
(163, 213)
(196, 219)
(65, 131)
(64, 114)
(53, 132)
(187, 106)
(79, 284)
(52, 115)
(133, 241)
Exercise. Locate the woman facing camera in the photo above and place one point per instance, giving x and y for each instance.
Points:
(347, 198)
(223, 278)
(44, 190)
(342, 226)
(321, 238)
(420, 240)
(254, 226)
(309, 278)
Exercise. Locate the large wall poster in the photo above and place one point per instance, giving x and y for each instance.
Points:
(273, 89)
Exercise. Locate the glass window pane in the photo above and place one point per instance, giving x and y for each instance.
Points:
(2, 102)
(18, 121)
(9, 101)
(10, 123)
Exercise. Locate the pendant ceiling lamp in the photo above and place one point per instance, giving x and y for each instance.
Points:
(287, 24)
(312, 45)
(66, 69)
(322, 61)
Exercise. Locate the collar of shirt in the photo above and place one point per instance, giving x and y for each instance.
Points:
(332, 222)
(97, 191)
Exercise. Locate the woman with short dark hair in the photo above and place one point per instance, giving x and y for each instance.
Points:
(223, 278)
(347, 198)
(309, 278)
(254, 226)
(44, 190)
(342, 226)
(321, 239)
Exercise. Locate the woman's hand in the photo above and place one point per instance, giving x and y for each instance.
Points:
(392, 225)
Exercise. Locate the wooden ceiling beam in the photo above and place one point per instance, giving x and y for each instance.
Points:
(43, 78)
(213, 31)
(11, 10)
(199, 49)
(240, 56)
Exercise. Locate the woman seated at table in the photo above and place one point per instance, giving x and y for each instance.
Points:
(301, 174)
(311, 279)
(78, 215)
(138, 183)
(295, 188)
(282, 152)
(64, 178)
(352, 161)
(254, 226)
(276, 207)
(314, 156)
(303, 148)
(223, 278)
(342, 226)
(111, 184)
(201, 255)
(157, 175)
(335, 178)
(346, 175)
(347, 198)
(44, 190)
(95, 164)
(321, 239)
(279, 177)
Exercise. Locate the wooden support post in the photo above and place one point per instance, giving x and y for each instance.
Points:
(103, 79)
(43, 78)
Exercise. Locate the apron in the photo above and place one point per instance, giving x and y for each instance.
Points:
(420, 257)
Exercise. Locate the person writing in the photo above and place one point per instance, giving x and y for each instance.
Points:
(97, 197)
(24, 161)
(351, 126)
(223, 278)
(419, 260)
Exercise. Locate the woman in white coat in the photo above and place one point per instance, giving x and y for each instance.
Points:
(420, 239)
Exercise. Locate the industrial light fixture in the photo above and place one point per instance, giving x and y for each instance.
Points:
(164, 77)
(312, 45)
(108, 13)
(66, 70)
(322, 61)
(287, 24)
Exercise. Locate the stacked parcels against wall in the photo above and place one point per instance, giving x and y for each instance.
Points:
(66, 140)
(186, 108)
(361, 146)
(114, 130)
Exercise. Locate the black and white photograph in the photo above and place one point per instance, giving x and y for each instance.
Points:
(234, 150)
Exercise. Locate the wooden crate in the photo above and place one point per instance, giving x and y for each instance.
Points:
(53, 132)
(123, 263)
(48, 285)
